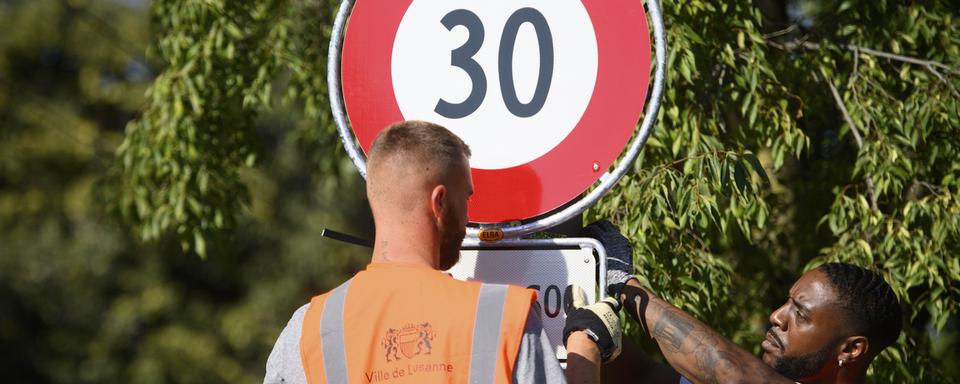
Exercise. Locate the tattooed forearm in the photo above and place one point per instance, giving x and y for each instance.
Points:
(694, 349)
(714, 365)
(680, 339)
(672, 330)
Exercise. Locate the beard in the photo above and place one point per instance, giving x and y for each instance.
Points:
(450, 241)
(797, 367)
(449, 252)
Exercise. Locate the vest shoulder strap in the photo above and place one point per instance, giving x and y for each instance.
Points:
(325, 319)
(486, 333)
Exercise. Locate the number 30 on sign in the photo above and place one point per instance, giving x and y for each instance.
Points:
(545, 92)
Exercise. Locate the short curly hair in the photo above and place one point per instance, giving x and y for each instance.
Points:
(868, 302)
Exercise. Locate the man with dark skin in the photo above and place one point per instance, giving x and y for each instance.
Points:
(836, 319)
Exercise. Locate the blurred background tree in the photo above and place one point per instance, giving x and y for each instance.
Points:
(82, 298)
(792, 132)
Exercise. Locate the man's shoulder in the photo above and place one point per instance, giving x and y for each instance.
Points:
(299, 313)
(284, 364)
(295, 324)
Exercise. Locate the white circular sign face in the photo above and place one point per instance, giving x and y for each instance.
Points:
(443, 49)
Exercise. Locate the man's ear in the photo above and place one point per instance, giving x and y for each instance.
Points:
(854, 349)
(438, 202)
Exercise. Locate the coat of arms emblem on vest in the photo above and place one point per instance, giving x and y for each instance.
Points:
(409, 341)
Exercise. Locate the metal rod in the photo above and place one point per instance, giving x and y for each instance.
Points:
(350, 239)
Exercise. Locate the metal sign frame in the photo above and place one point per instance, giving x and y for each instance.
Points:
(606, 181)
(551, 244)
(571, 242)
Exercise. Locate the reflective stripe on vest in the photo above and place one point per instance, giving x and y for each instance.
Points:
(331, 336)
(486, 334)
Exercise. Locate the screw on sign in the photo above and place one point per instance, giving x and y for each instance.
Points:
(547, 93)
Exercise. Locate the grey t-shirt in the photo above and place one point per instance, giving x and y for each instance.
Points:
(535, 362)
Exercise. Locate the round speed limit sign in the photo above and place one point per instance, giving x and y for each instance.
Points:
(547, 93)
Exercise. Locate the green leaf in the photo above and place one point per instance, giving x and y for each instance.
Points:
(200, 245)
(757, 167)
(739, 175)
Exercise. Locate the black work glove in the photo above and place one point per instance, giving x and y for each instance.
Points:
(619, 254)
(598, 320)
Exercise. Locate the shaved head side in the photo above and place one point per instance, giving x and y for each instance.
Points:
(407, 159)
(869, 303)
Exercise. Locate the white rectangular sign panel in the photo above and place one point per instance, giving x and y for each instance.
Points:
(548, 270)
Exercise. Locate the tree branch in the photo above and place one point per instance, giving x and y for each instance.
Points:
(808, 45)
(930, 65)
(791, 28)
(871, 193)
(942, 79)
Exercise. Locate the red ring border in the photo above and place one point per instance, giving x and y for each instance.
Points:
(557, 177)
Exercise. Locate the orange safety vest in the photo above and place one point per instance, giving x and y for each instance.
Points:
(401, 323)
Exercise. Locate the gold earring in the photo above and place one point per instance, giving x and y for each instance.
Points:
(841, 363)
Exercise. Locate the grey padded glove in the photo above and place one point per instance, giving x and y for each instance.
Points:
(619, 254)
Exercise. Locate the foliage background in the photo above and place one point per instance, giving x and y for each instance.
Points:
(166, 168)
